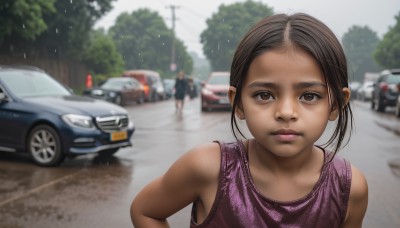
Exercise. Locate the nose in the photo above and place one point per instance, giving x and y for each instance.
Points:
(286, 109)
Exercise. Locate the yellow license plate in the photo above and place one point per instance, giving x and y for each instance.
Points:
(119, 135)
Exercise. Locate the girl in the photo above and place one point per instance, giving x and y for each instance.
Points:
(288, 79)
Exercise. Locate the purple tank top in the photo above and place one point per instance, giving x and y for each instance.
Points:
(239, 204)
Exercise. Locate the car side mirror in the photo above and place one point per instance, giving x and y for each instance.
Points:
(3, 97)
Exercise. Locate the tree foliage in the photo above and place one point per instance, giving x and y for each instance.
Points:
(387, 53)
(359, 43)
(64, 33)
(24, 18)
(144, 41)
(226, 28)
(101, 55)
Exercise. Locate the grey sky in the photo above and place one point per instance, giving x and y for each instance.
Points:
(339, 15)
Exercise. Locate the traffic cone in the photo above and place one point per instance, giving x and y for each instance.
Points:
(89, 82)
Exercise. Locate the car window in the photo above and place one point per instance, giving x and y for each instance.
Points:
(28, 84)
(113, 84)
(393, 79)
(219, 80)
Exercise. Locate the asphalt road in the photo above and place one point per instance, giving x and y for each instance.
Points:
(89, 191)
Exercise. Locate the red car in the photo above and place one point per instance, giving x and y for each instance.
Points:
(214, 93)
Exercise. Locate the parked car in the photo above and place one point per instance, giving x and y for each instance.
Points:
(214, 92)
(118, 90)
(364, 93)
(151, 81)
(39, 116)
(354, 86)
(169, 85)
(386, 91)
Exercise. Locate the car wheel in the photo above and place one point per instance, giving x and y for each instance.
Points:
(44, 146)
(118, 100)
(397, 110)
(380, 107)
(109, 152)
(141, 99)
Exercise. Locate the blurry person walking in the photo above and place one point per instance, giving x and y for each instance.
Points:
(180, 91)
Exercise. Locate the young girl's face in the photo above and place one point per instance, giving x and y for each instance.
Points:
(285, 101)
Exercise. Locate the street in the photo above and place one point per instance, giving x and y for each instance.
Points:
(90, 191)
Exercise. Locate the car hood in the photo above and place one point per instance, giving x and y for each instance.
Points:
(76, 105)
(217, 87)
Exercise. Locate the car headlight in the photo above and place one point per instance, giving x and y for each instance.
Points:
(206, 91)
(78, 121)
(111, 94)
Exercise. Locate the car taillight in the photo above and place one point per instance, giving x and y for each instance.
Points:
(384, 87)
(146, 89)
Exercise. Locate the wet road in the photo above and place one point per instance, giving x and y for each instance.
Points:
(90, 191)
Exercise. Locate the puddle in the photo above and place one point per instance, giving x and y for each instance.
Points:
(394, 165)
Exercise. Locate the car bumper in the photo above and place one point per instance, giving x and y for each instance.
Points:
(85, 142)
(214, 102)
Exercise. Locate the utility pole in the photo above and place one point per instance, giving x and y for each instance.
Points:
(173, 18)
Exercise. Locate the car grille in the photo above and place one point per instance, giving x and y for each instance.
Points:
(112, 123)
(221, 94)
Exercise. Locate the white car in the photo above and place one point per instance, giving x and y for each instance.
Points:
(364, 93)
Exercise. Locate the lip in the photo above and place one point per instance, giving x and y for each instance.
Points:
(286, 135)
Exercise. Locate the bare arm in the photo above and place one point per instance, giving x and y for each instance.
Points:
(182, 184)
(358, 201)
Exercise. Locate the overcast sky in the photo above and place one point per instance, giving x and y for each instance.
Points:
(339, 15)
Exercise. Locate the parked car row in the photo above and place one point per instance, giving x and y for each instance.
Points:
(214, 92)
(41, 117)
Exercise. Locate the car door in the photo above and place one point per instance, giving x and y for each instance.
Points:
(14, 121)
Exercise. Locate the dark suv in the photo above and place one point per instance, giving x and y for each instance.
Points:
(42, 117)
(386, 90)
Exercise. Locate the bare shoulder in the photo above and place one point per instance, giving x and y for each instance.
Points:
(358, 200)
(359, 186)
(203, 161)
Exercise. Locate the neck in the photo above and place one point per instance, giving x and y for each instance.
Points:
(264, 159)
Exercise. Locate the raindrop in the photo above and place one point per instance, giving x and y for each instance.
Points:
(218, 47)
(24, 55)
(159, 35)
(163, 44)
(230, 27)
(228, 41)
(70, 27)
(139, 53)
(65, 10)
(56, 30)
(23, 26)
(212, 51)
(142, 60)
(55, 50)
(122, 37)
(71, 1)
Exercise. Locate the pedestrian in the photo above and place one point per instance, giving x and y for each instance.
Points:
(180, 91)
(192, 89)
(288, 80)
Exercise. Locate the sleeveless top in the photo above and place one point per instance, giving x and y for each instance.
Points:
(239, 204)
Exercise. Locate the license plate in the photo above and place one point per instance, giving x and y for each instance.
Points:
(119, 135)
(224, 101)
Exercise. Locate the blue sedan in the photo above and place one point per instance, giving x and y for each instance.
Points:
(40, 116)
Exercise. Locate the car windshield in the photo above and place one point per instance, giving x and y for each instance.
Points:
(219, 80)
(394, 79)
(32, 84)
(114, 84)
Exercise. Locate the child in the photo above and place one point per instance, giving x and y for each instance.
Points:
(288, 79)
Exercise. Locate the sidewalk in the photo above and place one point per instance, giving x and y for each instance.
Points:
(388, 121)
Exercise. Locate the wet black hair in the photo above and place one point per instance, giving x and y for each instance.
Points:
(306, 33)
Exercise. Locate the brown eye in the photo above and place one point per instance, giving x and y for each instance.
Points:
(309, 97)
(264, 96)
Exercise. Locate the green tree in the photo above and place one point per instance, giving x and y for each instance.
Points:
(102, 57)
(387, 54)
(144, 41)
(359, 43)
(24, 18)
(65, 33)
(226, 28)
